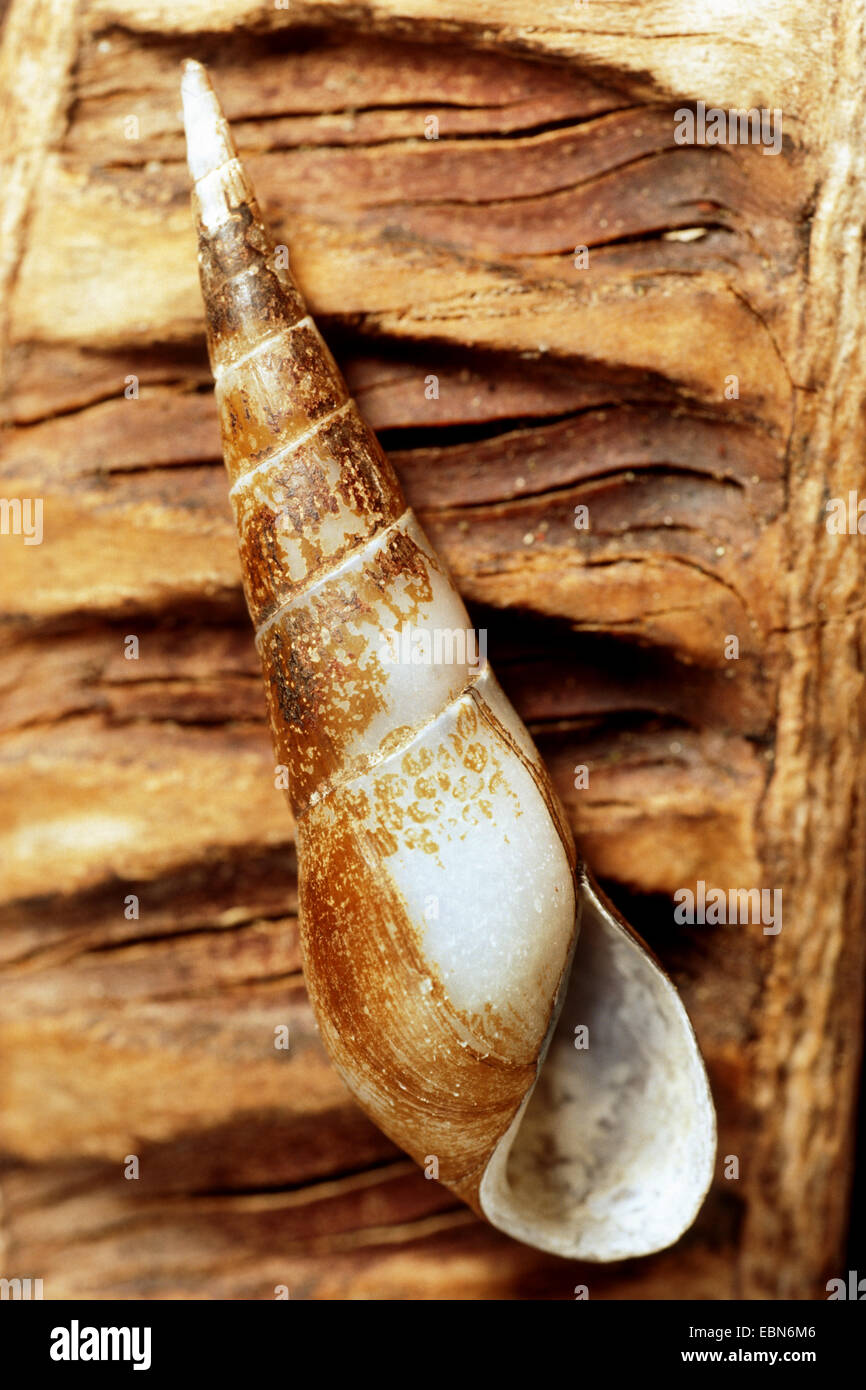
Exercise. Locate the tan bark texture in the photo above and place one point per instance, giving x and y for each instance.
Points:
(694, 380)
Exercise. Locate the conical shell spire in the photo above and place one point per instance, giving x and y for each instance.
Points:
(209, 139)
(438, 899)
(248, 291)
(310, 481)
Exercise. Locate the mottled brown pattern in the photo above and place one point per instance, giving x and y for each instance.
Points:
(243, 285)
(531, 759)
(311, 508)
(437, 792)
(324, 677)
(276, 395)
(312, 487)
(388, 1027)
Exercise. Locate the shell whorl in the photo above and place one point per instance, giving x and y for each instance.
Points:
(405, 785)
(438, 890)
(309, 481)
(330, 553)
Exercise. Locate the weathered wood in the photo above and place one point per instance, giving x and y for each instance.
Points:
(556, 387)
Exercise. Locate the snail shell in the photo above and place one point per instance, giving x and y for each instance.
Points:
(440, 900)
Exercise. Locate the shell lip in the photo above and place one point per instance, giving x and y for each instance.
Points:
(612, 1152)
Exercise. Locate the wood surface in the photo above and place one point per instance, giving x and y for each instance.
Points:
(557, 386)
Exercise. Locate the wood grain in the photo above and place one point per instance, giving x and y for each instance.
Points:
(557, 387)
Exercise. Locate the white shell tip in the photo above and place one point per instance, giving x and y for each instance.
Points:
(209, 143)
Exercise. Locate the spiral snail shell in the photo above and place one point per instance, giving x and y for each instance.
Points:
(440, 898)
